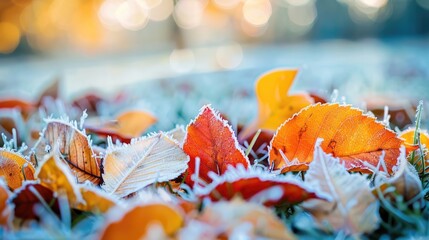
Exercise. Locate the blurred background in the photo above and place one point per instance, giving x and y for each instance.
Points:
(363, 48)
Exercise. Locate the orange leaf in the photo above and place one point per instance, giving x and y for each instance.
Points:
(5, 208)
(75, 149)
(15, 168)
(348, 134)
(408, 137)
(27, 197)
(212, 140)
(95, 199)
(136, 222)
(258, 186)
(129, 124)
(55, 175)
(274, 104)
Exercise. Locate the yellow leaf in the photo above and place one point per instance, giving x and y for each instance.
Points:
(95, 200)
(55, 175)
(275, 105)
(15, 168)
(136, 222)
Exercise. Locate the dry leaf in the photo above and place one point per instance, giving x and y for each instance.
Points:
(15, 168)
(74, 147)
(351, 208)
(56, 176)
(29, 196)
(127, 125)
(257, 186)
(95, 200)
(406, 181)
(138, 221)
(227, 217)
(178, 134)
(275, 105)
(129, 168)
(5, 208)
(212, 140)
(358, 140)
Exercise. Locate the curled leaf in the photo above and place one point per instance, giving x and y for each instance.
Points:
(74, 147)
(212, 140)
(95, 200)
(138, 220)
(351, 207)
(56, 176)
(15, 168)
(127, 125)
(275, 105)
(257, 186)
(356, 139)
(129, 168)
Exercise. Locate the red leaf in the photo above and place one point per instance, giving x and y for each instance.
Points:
(212, 140)
(255, 185)
(26, 199)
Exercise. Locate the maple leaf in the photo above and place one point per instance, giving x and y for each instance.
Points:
(351, 206)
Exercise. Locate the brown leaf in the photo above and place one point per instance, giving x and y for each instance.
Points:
(15, 168)
(74, 147)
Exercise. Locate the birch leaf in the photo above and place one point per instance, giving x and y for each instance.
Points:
(352, 207)
(129, 168)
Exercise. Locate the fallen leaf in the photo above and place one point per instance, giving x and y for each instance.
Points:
(351, 206)
(15, 168)
(74, 147)
(212, 140)
(275, 105)
(358, 140)
(138, 220)
(257, 186)
(29, 196)
(95, 200)
(178, 134)
(129, 168)
(5, 208)
(406, 181)
(127, 125)
(408, 137)
(56, 176)
(227, 217)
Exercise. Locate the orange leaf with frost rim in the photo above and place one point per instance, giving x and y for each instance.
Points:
(356, 139)
(212, 140)
(257, 186)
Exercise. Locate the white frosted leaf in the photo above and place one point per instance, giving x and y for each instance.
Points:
(129, 168)
(352, 208)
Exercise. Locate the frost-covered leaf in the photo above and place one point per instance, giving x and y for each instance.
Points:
(131, 167)
(138, 221)
(178, 134)
(30, 195)
(95, 199)
(238, 219)
(14, 168)
(351, 207)
(74, 147)
(56, 176)
(256, 186)
(5, 208)
(275, 104)
(350, 135)
(210, 139)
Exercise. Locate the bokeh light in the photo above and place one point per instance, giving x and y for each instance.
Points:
(257, 12)
(188, 13)
(229, 56)
(10, 35)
